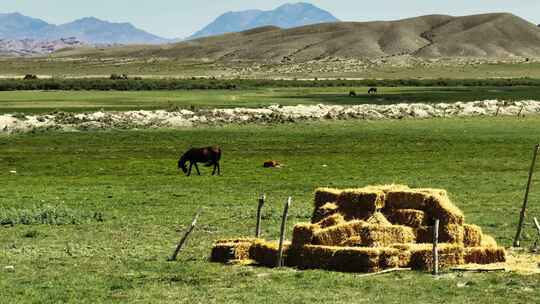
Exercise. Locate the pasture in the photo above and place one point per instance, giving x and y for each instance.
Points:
(116, 203)
(80, 101)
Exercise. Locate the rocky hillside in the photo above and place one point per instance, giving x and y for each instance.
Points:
(30, 47)
(285, 16)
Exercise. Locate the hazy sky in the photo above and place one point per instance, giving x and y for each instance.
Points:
(180, 18)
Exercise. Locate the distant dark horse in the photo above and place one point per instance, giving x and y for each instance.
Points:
(372, 91)
(210, 156)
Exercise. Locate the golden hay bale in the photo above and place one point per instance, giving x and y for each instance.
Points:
(325, 195)
(265, 253)
(447, 234)
(335, 235)
(406, 199)
(378, 219)
(348, 259)
(332, 220)
(408, 217)
(449, 255)
(381, 236)
(389, 188)
(472, 235)
(323, 212)
(303, 234)
(404, 256)
(488, 241)
(358, 202)
(440, 207)
(485, 255)
(354, 241)
(225, 251)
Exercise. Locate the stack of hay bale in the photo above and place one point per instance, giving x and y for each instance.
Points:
(374, 228)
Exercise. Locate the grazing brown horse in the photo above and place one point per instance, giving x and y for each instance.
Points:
(210, 156)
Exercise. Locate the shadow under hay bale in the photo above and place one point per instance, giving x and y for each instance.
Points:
(485, 255)
(225, 251)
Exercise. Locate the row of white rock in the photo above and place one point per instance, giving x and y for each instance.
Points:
(184, 118)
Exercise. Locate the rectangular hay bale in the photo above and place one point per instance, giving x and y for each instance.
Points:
(448, 233)
(406, 199)
(347, 259)
(472, 235)
(449, 255)
(303, 234)
(488, 241)
(408, 217)
(265, 253)
(336, 235)
(441, 208)
(324, 211)
(225, 251)
(361, 201)
(332, 220)
(326, 195)
(485, 255)
(382, 236)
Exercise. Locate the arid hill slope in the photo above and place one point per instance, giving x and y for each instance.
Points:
(487, 35)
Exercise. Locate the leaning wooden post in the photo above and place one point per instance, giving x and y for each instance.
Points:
(259, 216)
(498, 110)
(435, 249)
(521, 111)
(282, 233)
(525, 201)
(184, 238)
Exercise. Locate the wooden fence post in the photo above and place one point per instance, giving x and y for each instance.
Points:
(435, 249)
(282, 232)
(521, 111)
(525, 201)
(184, 238)
(259, 216)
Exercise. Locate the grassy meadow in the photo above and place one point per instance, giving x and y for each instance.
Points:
(78, 101)
(116, 205)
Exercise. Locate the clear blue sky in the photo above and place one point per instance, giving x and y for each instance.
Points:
(180, 18)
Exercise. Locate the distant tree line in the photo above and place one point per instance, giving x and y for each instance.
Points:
(124, 83)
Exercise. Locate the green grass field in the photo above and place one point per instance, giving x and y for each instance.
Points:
(47, 101)
(129, 178)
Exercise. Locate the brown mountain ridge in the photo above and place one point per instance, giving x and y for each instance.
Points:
(487, 35)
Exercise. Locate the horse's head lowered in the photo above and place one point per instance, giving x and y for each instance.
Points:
(182, 165)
